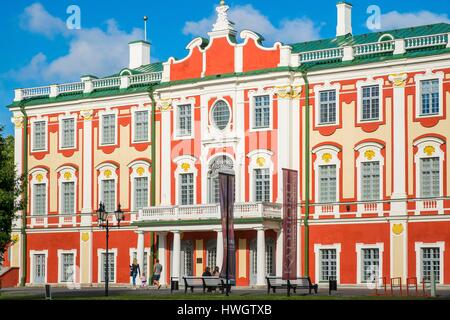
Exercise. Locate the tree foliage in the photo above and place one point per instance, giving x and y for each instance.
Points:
(10, 188)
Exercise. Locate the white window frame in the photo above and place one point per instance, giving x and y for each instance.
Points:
(429, 76)
(190, 160)
(39, 220)
(176, 105)
(61, 131)
(317, 90)
(320, 152)
(101, 176)
(147, 272)
(421, 144)
(359, 259)
(268, 164)
(317, 248)
(359, 88)
(251, 96)
(101, 114)
(134, 166)
(99, 264)
(418, 246)
(67, 219)
(31, 255)
(212, 123)
(32, 123)
(378, 157)
(60, 265)
(133, 124)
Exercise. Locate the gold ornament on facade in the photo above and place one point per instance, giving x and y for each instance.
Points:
(398, 79)
(18, 122)
(39, 177)
(260, 161)
(326, 157)
(288, 92)
(164, 104)
(87, 114)
(429, 150)
(107, 173)
(185, 166)
(15, 238)
(397, 228)
(369, 154)
(140, 171)
(67, 175)
(85, 237)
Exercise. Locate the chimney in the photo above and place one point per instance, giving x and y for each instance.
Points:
(344, 18)
(139, 54)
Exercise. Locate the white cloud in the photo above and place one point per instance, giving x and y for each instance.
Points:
(397, 20)
(247, 17)
(91, 50)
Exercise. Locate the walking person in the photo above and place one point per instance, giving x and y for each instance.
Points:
(157, 274)
(134, 271)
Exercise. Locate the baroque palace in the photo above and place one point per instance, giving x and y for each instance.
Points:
(153, 137)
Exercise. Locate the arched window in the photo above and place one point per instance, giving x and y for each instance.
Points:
(219, 164)
(220, 114)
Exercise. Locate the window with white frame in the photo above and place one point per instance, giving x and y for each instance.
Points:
(327, 264)
(370, 103)
(220, 115)
(140, 192)
(39, 135)
(270, 257)
(109, 194)
(108, 129)
(211, 254)
(430, 262)
(327, 183)
(429, 177)
(186, 188)
(222, 163)
(68, 133)
(145, 266)
(140, 126)
(370, 180)
(429, 97)
(39, 199)
(261, 112)
(262, 185)
(370, 264)
(67, 197)
(67, 267)
(327, 107)
(184, 120)
(111, 267)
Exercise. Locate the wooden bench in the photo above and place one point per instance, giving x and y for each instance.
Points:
(213, 283)
(192, 282)
(275, 283)
(302, 283)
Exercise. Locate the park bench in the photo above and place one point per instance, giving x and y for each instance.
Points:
(213, 283)
(275, 283)
(302, 283)
(192, 282)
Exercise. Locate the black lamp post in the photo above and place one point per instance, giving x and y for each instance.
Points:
(103, 221)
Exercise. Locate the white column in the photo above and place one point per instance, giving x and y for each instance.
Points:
(284, 142)
(279, 257)
(261, 257)
(176, 254)
(162, 240)
(87, 166)
(18, 156)
(166, 183)
(219, 249)
(299, 248)
(399, 150)
(140, 253)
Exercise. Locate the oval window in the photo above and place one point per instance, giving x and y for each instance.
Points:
(220, 115)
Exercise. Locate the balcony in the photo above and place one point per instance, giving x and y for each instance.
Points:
(246, 210)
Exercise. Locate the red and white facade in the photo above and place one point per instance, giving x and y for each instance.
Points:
(379, 182)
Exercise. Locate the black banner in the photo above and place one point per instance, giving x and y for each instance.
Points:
(289, 224)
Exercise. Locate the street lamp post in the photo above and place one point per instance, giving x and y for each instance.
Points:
(103, 221)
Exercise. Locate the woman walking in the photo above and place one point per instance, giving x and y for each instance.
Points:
(134, 271)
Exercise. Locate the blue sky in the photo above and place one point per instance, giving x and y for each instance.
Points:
(39, 49)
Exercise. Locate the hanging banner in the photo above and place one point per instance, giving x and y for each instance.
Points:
(290, 178)
(226, 190)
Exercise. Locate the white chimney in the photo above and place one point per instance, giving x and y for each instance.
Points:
(139, 53)
(344, 18)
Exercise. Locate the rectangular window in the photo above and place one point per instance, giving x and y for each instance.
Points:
(141, 126)
(187, 188)
(327, 264)
(370, 180)
(327, 110)
(109, 195)
(430, 262)
(262, 112)
(429, 177)
(140, 193)
(40, 191)
(262, 185)
(185, 120)
(327, 183)
(111, 267)
(39, 136)
(429, 90)
(68, 267)
(370, 103)
(109, 129)
(68, 198)
(370, 264)
(68, 133)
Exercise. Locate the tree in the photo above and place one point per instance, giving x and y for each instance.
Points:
(11, 187)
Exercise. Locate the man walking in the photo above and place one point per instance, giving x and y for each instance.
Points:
(157, 274)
